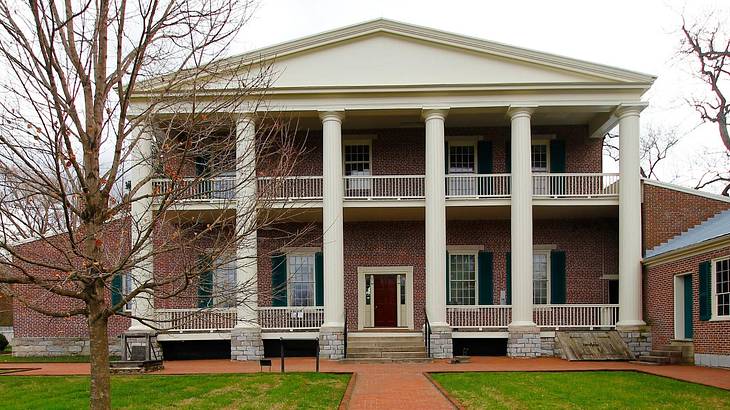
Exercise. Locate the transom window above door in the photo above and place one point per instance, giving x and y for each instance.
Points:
(357, 159)
(461, 159)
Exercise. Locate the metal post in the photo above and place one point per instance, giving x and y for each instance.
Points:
(316, 354)
(281, 352)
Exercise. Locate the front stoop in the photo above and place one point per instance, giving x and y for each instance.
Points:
(386, 348)
(674, 353)
(246, 344)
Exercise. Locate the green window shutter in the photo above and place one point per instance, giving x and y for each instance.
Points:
(508, 261)
(446, 157)
(278, 280)
(486, 278)
(705, 291)
(557, 156)
(508, 155)
(319, 278)
(205, 284)
(116, 288)
(448, 281)
(484, 156)
(558, 282)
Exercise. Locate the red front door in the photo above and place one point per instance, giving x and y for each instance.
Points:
(386, 298)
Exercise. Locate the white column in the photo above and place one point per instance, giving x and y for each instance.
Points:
(521, 214)
(629, 218)
(435, 218)
(332, 238)
(246, 249)
(141, 214)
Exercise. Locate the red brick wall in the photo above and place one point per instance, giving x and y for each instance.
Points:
(29, 323)
(6, 310)
(709, 337)
(667, 213)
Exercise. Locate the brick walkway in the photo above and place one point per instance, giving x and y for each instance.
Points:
(386, 386)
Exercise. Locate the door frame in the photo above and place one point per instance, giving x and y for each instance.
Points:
(679, 304)
(363, 309)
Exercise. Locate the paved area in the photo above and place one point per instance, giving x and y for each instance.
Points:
(385, 386)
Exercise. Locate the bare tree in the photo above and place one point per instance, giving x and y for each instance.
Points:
(85, 107)
(716, 166)
(655, 145)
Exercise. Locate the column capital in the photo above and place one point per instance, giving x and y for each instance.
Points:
(517, 111)
(246, 117)
(332, 115)
(629, 109)
(434, 112)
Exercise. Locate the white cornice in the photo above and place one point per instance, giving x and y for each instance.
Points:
(688, 251)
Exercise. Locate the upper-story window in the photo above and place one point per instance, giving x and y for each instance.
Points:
(721, 287)
(301, 279)
(539, 157)
(461, 158)
(357, 159)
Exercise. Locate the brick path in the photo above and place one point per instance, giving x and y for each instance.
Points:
(386, 386)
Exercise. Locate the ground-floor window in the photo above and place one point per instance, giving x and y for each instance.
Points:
(462, 279)
(224, 283)
(721, 287)
(127, 287)
(301, 279)
(540, 278)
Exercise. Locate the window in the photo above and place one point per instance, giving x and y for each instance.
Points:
(224, 283)
(301, 279)
(539, 157)
(357, 159)
(127, 287)
(721, 287)
(540, 278)
(461, 159)
(462, 279)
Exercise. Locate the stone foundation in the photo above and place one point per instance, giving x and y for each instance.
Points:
(246, 343)
(638, 340)
(712, 360)
(524, 343)
(442, 343)
(332, 343)
(549, 347)
(59, 346)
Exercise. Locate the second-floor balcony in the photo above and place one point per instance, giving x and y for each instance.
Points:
(400, 187)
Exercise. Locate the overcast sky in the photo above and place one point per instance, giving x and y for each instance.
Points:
(639, 35)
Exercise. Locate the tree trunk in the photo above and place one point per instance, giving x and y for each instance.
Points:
(100, 395)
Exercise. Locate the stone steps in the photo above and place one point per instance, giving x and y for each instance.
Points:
(380, 347)
(664, 355)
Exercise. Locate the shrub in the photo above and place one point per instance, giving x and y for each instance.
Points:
(3, 342)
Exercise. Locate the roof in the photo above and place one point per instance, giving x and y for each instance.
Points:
(713, 228)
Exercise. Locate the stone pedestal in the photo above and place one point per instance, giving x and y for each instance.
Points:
(442, 343)
(637, 339)
(524, 342)
(246, 343)
(332, 343)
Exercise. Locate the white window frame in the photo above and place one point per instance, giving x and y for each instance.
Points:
(127, 285)
(290, 275)
(547, 270)
(463, 143)
(359, 141)
(222, 264)
(715, 306)
(546, 143)
(475, 254)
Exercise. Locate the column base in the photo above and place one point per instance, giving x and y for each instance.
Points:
(332, 343)
(524, 342)
(637, 338)
(441, 342)
(246, 343)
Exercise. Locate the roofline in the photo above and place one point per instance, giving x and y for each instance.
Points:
(429, 34)
(687, 190)
(687, 251)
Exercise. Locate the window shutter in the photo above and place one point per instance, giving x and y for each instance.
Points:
(508, 155)
(705, 291)
(448, 281)
(557, 156)
(484, 156)
(205, 284)
(278, 280)
(319, 279)
(486, 278)
(508, 260)
(116, 288)
(558, 282)
(446, 157)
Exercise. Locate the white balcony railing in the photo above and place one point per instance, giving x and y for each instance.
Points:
(195, 320)
(477, 186)
(479, 316)
(575, 316)
(384, 187)
(285, 318)
(290, 188)
(574, 185)
(196, 189)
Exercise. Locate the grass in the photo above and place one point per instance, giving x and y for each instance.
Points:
(244, 391)
(6, 358)
(577, 390)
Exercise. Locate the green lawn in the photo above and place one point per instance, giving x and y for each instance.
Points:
(535, 390)
(245, 391)
(8, 358)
